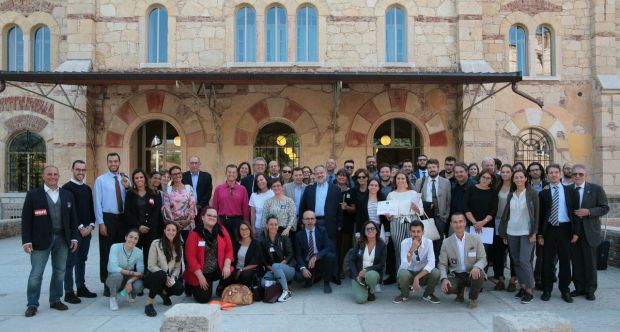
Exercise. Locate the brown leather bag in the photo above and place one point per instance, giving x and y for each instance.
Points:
(237, 294)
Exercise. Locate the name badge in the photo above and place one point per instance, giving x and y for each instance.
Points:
(453, 261)
(201, 243)
(471, 254)
(271, 249)
(348, 196)
(40, 212)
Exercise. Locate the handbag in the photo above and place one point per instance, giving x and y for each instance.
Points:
(272, 293)
(237, 294)
(430, 230)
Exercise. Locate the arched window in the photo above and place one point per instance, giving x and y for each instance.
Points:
(277, 141)
(307, 34)
(42, 49)
(395, 35)
(246, 35)
(545, 51)
(159, 146)
(396, 140)
(158, 36)
(517, 43)
(15, 49)
(534, 145)
(26, 162)
(275, 34)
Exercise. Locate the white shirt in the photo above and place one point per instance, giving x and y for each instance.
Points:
(425, 252)
(79, 183)
(369, 257)
(257, 201)
(461, 248)
(52, 193)
(519, 222)
(429, 189)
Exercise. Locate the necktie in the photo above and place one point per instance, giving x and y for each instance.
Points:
(119, 198)
(435, 200)
(555, 205)
(310, 245)
(579, 192)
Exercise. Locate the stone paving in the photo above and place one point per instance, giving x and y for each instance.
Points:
(307, 310)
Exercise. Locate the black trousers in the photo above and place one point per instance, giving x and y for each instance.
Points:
(584, 266)
(231, 224)
(344, 243)
(201, 295)
(499, 261)
(116, 233)
(156, 283)
(245, 277)
(325, 267)
(557, 242)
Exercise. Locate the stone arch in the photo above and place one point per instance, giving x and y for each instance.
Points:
(143, 8)
(423, 111)
(151, 105)
(276, 109)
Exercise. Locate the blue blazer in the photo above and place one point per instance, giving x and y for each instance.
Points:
(37, 225)
(333, 217)
(322, 241)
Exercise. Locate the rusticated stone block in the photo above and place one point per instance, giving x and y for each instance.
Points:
(192, 317)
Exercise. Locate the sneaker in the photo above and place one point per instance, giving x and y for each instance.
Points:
(473, 304)
(71, 298)
(399, 299)
(84, 292)
(284, 296)
(431, 298)
(149, 310)
(527, 298)
(113, 304)
(131, 298)
(378, 288)
(520, 293)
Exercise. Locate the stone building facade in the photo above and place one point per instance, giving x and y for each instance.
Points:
(578, 121)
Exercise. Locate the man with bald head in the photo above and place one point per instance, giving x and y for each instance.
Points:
(200, 181)
(49, 228)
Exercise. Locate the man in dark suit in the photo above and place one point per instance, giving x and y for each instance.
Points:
(592, 206)
(323, 199)
(421, 171)
(314, 253)
(49, 226)
(200, 181)
(259, 165)
(558, 229)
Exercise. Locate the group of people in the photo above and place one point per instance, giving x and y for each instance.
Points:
(172, 232)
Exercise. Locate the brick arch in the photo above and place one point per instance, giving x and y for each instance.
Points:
(276, 109)
(153, 104)
(25, 103)
(541, 119)
(28, 122)
(423, 111)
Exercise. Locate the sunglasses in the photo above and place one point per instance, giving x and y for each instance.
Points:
(417, 255)
(370, 229)
(579, 174)
(349, 167)
(287, 171)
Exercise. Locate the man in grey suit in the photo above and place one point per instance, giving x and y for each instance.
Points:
(436, 192)
(295, 189)
(592, 206)
(461, 262)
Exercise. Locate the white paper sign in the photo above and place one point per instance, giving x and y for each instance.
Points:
(385, 207)
(486, 236)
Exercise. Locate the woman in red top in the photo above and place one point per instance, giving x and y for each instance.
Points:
(209, 254)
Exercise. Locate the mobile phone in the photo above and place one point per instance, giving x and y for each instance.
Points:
(124, 175)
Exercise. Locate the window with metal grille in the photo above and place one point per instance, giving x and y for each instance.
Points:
(534, 145)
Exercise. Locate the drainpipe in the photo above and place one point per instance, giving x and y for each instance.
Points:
(336, 99)
(526, 96)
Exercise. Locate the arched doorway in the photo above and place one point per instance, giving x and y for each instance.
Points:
(158, 146)
(26, 162)
(396, 140)
(278, 141)
(534, 145)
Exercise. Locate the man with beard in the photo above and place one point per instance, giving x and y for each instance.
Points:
(421, 172)
(330, 166)
(567, 172)
(461, 184)
(407, 168)
(448, 171)
(385, 179)
(371, 166)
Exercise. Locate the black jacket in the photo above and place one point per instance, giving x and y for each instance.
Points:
(278, 250)
(204, 187)
(151, 218)
(322, 241)
(331, 209)
(253, 256)
(355, 258)
(572, 202)
(37, 225)
(361, 211)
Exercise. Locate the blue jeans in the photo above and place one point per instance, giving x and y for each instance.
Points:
(78, 260)
(282, 273)
(38, 259)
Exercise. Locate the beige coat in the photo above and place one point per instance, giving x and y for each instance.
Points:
(449, 257)
(157, 260)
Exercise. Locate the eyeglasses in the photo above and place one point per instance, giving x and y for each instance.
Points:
(287, 171)
(362, 177)
(211, 215)
(370, 229)
(175, 174)
(349, 167)
(579, 174)
(422, 159)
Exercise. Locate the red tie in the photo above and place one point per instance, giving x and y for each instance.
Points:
(119, 198)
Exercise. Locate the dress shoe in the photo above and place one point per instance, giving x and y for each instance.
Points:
(545, 296)
(590, 297)
(71, 298)
(31, 311)
(149, 310)
(84, 292)
(106, 291)
(337, 281)
(371, 296)
(327, 289)
(59, 306)
(538, 287)
(576, 293)
(308, 283)
(499, 286)
(167, 301)
(567, 298)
